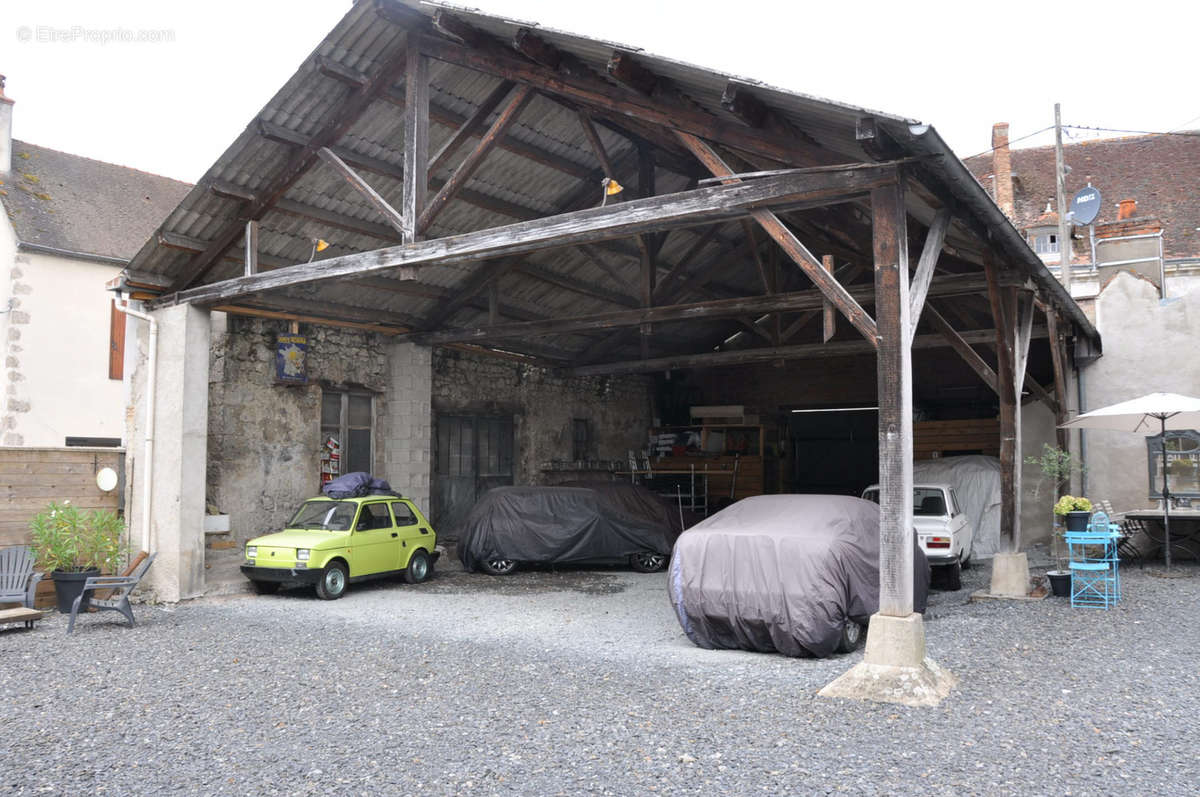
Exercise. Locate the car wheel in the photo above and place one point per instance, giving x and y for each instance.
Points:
(852, 636)
(498, 567)
(966, 560)
(418, 568)
(333, 582)
(953, 576)
(648, 561)
(266, 587)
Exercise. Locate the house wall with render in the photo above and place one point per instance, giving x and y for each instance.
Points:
(55, 378)
(1149, 346)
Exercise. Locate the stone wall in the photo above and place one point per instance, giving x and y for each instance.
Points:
(407, 423)
(543, 405)
(263, 437)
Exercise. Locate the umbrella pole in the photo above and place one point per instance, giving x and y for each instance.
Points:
(1166, 500)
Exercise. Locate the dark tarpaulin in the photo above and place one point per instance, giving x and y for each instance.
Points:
(556, 525)
(782, 573)
(636, 500)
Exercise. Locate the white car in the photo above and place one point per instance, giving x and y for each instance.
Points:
(942, 528)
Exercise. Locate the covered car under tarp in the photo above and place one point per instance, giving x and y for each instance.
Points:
(558, 525)
(635, 499)
(976, 482)
(782, 573)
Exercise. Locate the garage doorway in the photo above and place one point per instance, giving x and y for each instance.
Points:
(835, 450)
(473, 454)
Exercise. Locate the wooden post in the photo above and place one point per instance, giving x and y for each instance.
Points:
(251, 247)
(1057, 359)
(416, 141)
(894, 374)
(1001, 300)
(828, 312)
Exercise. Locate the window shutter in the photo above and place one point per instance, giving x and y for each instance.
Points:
(116, 343)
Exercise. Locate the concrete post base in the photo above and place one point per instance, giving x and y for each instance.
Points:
(895, 668)
(1010, 575)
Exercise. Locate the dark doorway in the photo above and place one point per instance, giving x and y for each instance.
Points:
(834, 450)
(474, 453)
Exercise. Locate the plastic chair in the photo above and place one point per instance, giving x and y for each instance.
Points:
(118, 600)
(18, 582)
(1094, 568)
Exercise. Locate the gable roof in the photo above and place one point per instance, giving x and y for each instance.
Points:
(349, 96)
(73, 204)
(1159, 171)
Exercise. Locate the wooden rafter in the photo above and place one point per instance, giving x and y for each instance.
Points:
(389, 213)
(472, 162)
(347, 113)
(790, 244)
(470, 126)
(801, 351)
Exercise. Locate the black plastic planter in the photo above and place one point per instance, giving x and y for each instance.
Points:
(1078, 521)
(1060, 583)
(68, 585)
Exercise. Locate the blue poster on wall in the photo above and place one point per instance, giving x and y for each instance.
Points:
(290, 352)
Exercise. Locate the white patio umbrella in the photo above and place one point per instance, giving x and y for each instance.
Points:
(1164, 410)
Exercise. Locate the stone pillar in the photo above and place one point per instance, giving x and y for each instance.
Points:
(180, 450)
(408, 422)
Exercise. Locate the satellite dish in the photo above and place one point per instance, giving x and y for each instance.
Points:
(1085, 205)
(106, 479)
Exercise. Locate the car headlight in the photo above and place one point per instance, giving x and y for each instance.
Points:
(302, 554)
(251, 551)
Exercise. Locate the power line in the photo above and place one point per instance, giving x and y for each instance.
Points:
(1012, 141)
(1190, 134)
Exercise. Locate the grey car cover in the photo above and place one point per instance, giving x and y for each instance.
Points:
(557, 525)
(782, 573)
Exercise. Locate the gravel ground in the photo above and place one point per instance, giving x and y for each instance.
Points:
(581, 682)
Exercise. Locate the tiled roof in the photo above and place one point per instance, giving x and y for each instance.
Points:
(82, 205)
(1160, 171)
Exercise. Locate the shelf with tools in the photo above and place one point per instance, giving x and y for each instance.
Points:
(729, 455)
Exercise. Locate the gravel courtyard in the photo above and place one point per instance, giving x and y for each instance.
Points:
(580, 682)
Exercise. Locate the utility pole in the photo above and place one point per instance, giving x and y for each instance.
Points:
(1060, 182)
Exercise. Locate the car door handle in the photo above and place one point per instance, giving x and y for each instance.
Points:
(394, 534)
(424, 531)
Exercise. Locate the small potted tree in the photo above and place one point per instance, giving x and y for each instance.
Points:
(74, 545)
(1057, 467)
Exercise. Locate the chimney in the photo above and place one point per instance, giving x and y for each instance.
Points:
(1126, 208)
(1002, 168)
(6, 108)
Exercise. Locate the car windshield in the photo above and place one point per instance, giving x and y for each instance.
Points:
(927, 501)
(328, 515)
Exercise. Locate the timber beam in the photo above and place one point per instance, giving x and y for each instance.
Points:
(699, 206)
(749, 306)
(801, 351)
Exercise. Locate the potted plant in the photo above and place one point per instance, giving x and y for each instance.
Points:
(1057, 467)
(74, 545)
(1077, 510)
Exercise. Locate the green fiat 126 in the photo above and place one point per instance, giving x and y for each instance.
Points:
(330, 543)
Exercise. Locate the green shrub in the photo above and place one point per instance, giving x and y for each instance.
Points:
(64, 538)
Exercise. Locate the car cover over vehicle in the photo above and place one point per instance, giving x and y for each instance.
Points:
(782, 573)
(634, 499)
(557, 525)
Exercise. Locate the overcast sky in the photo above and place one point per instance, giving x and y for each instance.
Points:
(171, 102)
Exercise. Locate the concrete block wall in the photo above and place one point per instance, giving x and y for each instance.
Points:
(407, 424)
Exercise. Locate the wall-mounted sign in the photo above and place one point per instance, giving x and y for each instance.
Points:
(290, 353)
(1085, 206)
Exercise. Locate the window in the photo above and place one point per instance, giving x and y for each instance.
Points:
(116, 343)
(1046, 244)
(374, 516)
(581, 439)
(1183, 464)
(404, 515)
(347, 433)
